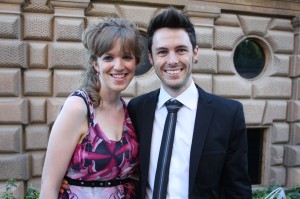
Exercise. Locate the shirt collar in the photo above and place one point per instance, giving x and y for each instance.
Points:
(188, 98)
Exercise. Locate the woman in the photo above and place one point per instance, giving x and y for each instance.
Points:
(93, 143)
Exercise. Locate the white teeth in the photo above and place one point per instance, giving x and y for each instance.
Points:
(118, 76)
(172, 72)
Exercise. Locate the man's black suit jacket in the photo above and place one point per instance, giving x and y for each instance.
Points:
(218, 157)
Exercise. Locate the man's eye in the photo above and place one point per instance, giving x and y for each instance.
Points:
(161, 53)
(182, 51)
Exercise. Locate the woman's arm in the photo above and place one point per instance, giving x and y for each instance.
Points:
(70, 125)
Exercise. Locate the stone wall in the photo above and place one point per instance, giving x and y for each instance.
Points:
(42, 60)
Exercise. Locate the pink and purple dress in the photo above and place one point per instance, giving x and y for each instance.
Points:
(97, 158)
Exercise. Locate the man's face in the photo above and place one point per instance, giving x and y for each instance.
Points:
(172, 57)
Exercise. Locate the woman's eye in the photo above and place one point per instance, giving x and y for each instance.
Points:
(107, 58)
(128, 57)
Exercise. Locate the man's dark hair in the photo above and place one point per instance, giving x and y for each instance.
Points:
(171, 18)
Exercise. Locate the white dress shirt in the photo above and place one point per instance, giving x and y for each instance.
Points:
(180, 160)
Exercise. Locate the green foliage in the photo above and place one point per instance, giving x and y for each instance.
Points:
(8, 194)
(291, 193)
(32, 193)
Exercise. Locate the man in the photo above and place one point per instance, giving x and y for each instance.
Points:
(209, 155)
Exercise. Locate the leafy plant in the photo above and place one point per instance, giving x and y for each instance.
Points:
(31, 193)
(8, 194)
(291, 193)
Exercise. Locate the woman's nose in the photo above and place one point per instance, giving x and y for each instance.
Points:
(118, 64)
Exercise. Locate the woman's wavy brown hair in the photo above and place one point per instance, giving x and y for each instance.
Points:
(100, 38)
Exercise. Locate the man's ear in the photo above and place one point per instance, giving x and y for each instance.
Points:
(195, 53)
(150, 57)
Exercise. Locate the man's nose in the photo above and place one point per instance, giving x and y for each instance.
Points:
(172, 58)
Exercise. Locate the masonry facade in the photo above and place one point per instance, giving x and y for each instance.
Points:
(42, 59)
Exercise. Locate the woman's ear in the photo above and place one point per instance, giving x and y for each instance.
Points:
(95, 65)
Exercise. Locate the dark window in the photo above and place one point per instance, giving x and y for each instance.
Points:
(255, 151)
(144, 64)
(249, 58)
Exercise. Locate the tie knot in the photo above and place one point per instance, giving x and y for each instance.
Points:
(173, 105)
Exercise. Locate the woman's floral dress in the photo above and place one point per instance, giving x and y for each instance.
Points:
(98, 158)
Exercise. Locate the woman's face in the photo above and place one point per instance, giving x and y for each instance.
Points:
(116, 68)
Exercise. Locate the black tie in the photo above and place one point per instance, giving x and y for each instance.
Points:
(166, 146)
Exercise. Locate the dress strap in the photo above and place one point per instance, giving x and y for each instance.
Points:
(88, 102)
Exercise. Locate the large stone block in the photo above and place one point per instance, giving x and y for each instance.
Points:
(36, 137)
(253, 25)
(35, 183)
(13, 54)
(280, 66)
(66, 81)
(147, 83)
(140, 15)
(204, 37)
(292, 156)
(207, 62)
(296, 88)
(13, 111)
(67, 56)
(68, 29)
(253, 111)
(275, 111)
(225, 38)
(204, 81)
(281, 24)
(103, 10)
(295, 133)
(37, 83)
(231, 86)
(294, 65)
(277, 152)
(14, 166)
(273, 87)
(130, 91)
(37, 163)
(54, 105)
(279, 133)
(293, 114)
(40, 6)
(277, 175)
(38, 26)
(10, 82)
(38, 55)
(11, 139)
(9, 26)
(293, 177)
(281, 41)
(37, 110)
(225, 62)
(227, 20)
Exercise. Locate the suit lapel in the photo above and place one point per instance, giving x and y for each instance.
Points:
(202, 122)
(148, 113)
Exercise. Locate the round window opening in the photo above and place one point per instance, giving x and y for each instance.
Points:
(249, 58)
(144, 65)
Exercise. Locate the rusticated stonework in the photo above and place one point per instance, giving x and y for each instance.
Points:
(42, 59)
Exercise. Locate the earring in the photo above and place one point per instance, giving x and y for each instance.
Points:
(195, 61)
(97, 73)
